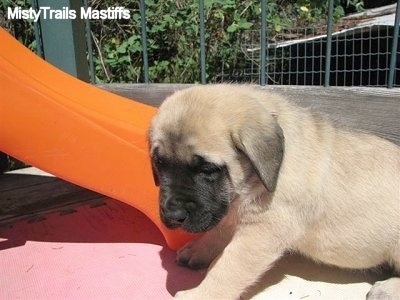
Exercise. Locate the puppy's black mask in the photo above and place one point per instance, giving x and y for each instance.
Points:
(194, 196)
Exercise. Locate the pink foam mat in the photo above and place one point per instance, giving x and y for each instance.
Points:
(106, 252)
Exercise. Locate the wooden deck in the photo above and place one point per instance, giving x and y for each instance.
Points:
(375, 110)
(42, 215)
(29, 194)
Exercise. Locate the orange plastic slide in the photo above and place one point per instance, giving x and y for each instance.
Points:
(76, 131)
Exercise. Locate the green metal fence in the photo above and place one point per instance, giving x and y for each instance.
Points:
(362, 56)
(356, 56)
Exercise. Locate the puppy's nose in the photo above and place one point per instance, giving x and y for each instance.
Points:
(177, 216)
(175, 212)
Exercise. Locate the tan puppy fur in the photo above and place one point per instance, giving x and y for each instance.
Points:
(298, 183)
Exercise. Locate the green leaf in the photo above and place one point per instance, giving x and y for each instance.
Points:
(232, 28)
(245, 25)
(122, 48)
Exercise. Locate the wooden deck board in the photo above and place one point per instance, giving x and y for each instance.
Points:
(30, 193)
(375, 110)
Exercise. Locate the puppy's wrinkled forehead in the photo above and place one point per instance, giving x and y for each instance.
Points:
(185, 126)
(174, 144)
(183, 142)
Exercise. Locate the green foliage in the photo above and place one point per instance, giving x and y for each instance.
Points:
(355, 5)
(21, 29)
(172, 43)
(173, 35)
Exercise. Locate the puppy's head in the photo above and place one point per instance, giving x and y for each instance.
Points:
(208, 144)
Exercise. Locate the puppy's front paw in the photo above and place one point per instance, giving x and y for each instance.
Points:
(385, 290)
(195, 255)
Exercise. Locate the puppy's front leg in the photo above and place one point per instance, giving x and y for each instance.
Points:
(199, 253)
(251, 252)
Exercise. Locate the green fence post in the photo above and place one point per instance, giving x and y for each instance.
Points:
(202, 43)
(263, 34)
(329, 44)
(63, 40)
(395, 40)
(143, 25)
(88, 34)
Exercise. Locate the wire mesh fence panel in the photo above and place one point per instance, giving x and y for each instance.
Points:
(360, 56)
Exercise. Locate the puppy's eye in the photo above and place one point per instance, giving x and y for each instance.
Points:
(209, 168)
(202, 166)
(158, 160)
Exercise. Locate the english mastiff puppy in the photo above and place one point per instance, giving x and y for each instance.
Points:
(261, 176)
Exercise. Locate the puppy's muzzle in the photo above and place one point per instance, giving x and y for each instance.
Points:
(175, 212)
(174, 216)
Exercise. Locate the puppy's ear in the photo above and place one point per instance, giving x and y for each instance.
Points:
(153, 167)
(155, 175)
(262, 141)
